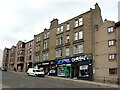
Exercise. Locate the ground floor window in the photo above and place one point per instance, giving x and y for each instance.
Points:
(84, 71)
(61, 70)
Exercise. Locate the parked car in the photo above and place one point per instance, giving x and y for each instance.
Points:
(35, 72)
(3, 69)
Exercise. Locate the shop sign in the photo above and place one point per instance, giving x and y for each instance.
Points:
(45, 63)
(63, 61)
(82, 58)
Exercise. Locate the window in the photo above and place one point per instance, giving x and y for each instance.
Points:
(58, 52)
(59, 41)
(80, 21)
(59, 30)
(45, 56)
(45, 45)
(67, 51)
(37, 38)
(81, 35)
(112, 56)
(67, 38)
(75, 49)
(75, 36)
(45, 36)
(37, 48)
(112, 71)
(76, 23)
(110, 29)
(111, 42)
(68, 26)
(84, 71)
(80, 48)
(48, 33)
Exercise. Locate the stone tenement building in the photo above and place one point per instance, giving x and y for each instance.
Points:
(83, 47)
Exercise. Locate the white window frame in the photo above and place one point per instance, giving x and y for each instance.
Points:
(110, 29)
(80, 21)
(76, 23)
(80, 48)
(58, 30)
(68, 26)
(75, 36)
(81, 35)
(112, 56)
(111, 43)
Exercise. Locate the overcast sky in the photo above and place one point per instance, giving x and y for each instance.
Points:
(22, 19)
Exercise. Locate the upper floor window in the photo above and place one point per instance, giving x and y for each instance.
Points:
(78, 48)
(59, 29)
(67, 51)
(79, 22)
(68, 26)
(75, 36)
(112, 71)
(110, 29)
(46, 35)
(111, 42)
(37, 38)
(45, 56)
(78, 35)
(67, 38)
(81, 35)
(58, 52)
(45, 45)
(76, 23)
(112, 56)
(59, 41)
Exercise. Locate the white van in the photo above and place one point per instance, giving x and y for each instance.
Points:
(35, 72)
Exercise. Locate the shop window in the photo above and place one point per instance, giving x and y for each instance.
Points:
(112, 71)
(84, 71)
(61, 70)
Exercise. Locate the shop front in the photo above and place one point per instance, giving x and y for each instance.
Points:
(45, 66)
(42, 65)
(82, 67)
(52, 68)
(64, 68)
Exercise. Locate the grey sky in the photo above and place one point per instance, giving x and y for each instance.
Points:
(21, 19)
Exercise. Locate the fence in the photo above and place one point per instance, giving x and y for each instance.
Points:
(110, 80)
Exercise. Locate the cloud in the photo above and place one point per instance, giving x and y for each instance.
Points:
(21, 19)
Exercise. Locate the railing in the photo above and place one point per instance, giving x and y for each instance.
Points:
(110, 80)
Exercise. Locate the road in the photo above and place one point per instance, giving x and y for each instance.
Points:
(20, 80)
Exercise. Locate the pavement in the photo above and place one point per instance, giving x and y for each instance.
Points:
(79, 81)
